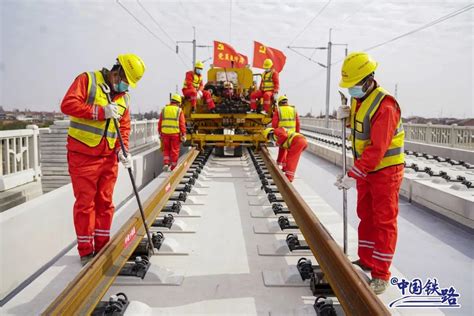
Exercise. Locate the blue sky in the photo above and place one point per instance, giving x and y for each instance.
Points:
(46, 44)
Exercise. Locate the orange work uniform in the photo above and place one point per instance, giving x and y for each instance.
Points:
(295, 144)
(193, 84)
(377, 191)
(171, 127)
(93, 170)
(269, 85)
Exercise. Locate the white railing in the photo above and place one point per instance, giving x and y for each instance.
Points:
(454, 136)
(19, 157)
(20, 150)
(442, 135)
(143, 133)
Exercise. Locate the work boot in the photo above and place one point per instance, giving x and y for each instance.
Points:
(213, 111)
(378, 285)
(193, 110)
(166, 168)
(263, 112)
(362, 266)
(85, 259)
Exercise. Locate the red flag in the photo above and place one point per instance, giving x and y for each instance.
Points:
(262, 52)
(225, 56)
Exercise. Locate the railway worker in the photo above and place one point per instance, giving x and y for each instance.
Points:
(286, 117)
(268, 88)
(377, 141)
(93, 149)
(294, 142)
(172, 130)
(193, 88)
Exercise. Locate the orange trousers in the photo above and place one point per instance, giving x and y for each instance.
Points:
(281, 159)
(267, 99)
(93, 180)
(298, 145)
(191, 93)
(171, 145)
(377, 208)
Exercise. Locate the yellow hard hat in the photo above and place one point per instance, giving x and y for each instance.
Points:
(356, 67)
(267, 133)
(282, 98)
(133, 66)
(268, 63)
(199, 64)
(176, 98)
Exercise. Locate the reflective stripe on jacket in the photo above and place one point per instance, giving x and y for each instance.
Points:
(170, 119)
(196, 80)
(287, 117)
(289, 139)
(267, 81)
(361, 124)
(91, 132)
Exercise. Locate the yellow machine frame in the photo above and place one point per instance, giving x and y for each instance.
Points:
(209, 129)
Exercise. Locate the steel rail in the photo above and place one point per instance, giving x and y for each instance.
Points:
(86, 290)
(353, 292)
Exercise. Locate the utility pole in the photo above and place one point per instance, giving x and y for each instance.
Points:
(396, 91)
(195, 46)
(328, 80)
(328, 69)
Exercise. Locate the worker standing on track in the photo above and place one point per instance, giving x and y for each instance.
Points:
(286, 117)
(193, 88)
(172, 130)
(269, 87)
(294, 142)
(93, 149)
(377, 141)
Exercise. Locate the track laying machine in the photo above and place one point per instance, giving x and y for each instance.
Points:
(230, 127)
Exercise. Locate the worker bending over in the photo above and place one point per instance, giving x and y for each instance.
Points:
(193, 88)
(377, 142)
(293, 142)
(268, 88)
(286, 117)
(93, 149)
(172, 130)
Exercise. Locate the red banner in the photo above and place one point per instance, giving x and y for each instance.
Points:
(225, 56)
(262, 52)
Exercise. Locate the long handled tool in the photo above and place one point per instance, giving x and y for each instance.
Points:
(105, 88)
(344, 170)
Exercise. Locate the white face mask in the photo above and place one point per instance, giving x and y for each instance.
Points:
(198, 71)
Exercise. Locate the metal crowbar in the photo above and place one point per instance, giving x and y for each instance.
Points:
(105, 88)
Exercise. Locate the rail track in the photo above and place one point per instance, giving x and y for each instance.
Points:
(333, 276)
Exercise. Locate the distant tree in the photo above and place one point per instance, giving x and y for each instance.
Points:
(308, 114)
(9, 125)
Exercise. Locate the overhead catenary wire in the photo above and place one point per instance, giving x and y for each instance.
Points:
(432, 23)
(159, 26)
(310, 22)
(425, 26)
(155, 21)
(308, 58)
(149, 31)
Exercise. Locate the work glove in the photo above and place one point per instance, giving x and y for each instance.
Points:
(345, 182)
(183, 138)
(275, 96)
(111, 111)
(126, 161)
(343, 112)
(199, 95)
